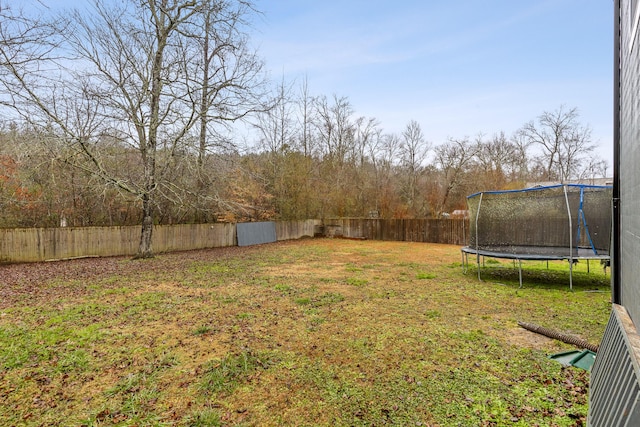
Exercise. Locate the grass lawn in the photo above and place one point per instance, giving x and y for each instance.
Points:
(317, 332)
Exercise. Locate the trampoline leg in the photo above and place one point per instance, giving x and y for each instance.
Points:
(571, 274)
(520, 271)
(464, 267)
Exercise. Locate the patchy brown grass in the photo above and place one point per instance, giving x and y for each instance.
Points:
(311, 332)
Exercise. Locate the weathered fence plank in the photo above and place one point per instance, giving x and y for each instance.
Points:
(288, 230)
(183, 237)
(450, 231)
(41, 244)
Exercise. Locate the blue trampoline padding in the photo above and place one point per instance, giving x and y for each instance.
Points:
(540, 188)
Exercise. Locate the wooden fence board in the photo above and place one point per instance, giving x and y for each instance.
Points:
(288, 230)
(42, 244)
(451, 231)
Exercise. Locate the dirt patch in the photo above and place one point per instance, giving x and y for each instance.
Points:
(524, 338)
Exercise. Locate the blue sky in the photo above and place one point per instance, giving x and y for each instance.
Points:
(458, 68)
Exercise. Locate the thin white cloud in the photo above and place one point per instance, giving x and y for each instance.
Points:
(458, 68)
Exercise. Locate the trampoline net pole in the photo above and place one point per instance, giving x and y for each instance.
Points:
(582, 219)
(477, 243)
(520, 271)
(566, 197)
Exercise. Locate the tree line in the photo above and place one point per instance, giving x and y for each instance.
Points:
(127, 113)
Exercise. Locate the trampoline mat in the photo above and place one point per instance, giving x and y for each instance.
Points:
(541, 253)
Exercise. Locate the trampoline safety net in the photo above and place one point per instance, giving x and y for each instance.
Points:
(561, 221)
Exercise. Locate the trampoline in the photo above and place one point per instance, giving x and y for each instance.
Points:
(559, 222)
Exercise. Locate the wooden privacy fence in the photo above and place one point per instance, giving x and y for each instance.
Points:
(449, 231)
(41, 244)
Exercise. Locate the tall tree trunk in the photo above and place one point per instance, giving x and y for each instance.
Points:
(145, 249)
(148, 148)
(201, 215)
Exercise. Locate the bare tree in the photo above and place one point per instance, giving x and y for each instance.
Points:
(413, 153)
(367, 135)
(227, 73)
(385, 159)
(335, 127)
(277, 134)
(26, 41)
(522, 159)
(305, 121)
(564, 142)
(595, 168)
(499, 159)
(276, 127)
(454, 159)
(128, 73)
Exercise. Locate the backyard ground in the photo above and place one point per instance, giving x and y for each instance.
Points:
(316, 332)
